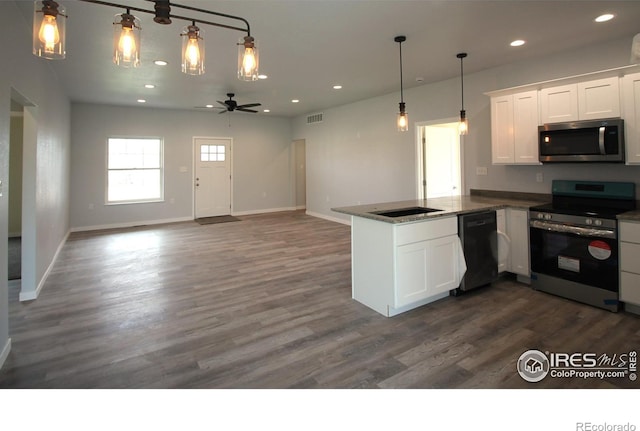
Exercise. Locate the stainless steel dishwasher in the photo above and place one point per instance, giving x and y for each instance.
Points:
(478, 234)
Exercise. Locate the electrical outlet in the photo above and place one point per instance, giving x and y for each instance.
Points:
(91, 206)
(539, 177)
(481, 170)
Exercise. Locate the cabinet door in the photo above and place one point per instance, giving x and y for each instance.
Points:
(502, 151)
(411, 273)
(425, 269)
(518, 231)
(599, 99)
(443, 264)
(525, 128)
(558, 104)
(631, 100)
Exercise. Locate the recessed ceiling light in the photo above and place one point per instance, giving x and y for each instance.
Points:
(142, 101)
(208, 106)
(266, 110)
(518, 42)
(262, 76)
(294, 101)
(337, 87)
(149, 86)
(604, 17)
(160, 63)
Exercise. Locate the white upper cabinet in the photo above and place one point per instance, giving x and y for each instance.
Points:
(590, 100)
(558, 104)
(599, 99)
(631, 101)
(514, 128)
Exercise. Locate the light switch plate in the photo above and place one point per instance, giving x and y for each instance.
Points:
(481, 170)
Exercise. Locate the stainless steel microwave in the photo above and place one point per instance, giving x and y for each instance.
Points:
(582, 141)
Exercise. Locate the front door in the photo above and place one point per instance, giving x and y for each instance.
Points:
(212, 176)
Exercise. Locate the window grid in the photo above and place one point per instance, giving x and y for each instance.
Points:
(212, 153)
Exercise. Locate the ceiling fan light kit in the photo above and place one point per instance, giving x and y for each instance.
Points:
(49, 34)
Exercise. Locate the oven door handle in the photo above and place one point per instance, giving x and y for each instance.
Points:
(582, 231)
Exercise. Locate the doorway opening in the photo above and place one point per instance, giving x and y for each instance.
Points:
(439, 159)
(22, 195)
(16, 133)
(299, 174)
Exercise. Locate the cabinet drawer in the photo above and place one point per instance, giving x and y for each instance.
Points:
(630, 257)
(425, 230)
(630, 232)
(630, 288)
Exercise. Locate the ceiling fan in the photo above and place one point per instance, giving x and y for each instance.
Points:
(231, 105)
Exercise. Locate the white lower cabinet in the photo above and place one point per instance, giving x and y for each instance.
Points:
(397, 267)
(425, 269)
(518, 233)
(630, 263)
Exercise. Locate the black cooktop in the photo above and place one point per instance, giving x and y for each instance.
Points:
(581, 210)
(590, 198)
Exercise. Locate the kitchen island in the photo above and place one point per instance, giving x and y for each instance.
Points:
(403, 258)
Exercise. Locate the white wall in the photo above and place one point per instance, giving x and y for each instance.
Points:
(261, 161)
(46, 169)
(356, 155)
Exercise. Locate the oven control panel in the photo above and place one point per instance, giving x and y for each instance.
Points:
(575, 220)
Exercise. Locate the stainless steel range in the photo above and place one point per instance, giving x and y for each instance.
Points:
(574, 241)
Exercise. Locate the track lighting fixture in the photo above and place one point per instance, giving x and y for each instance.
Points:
(49, 35)
(49, 30)
(192, 50)
(402, 118)
(126, 40)
(463, 125)
(247, 59)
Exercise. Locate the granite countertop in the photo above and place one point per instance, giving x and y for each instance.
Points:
(630, 216)
(449, 206)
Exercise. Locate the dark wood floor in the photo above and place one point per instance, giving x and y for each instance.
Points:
(265, 302)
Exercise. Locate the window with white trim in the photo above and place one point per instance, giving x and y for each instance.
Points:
(134, 170)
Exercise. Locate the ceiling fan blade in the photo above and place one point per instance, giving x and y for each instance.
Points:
(222, 103)
(245, 110)
(222, 111)
(249, 105)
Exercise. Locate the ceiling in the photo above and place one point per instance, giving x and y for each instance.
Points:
(308, 46)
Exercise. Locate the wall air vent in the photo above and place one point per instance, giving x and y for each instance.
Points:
(314, 118)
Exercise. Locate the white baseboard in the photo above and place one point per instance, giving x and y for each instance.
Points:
(129, 224)
(263, 211)
(330, 218)
(5, 352)
(30, 296)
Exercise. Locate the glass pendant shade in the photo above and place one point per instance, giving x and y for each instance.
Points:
(463, 125)
(402, 119)
(192, 51)
(635, 49)
(248, 60)
(49, 21)
(126, 40)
